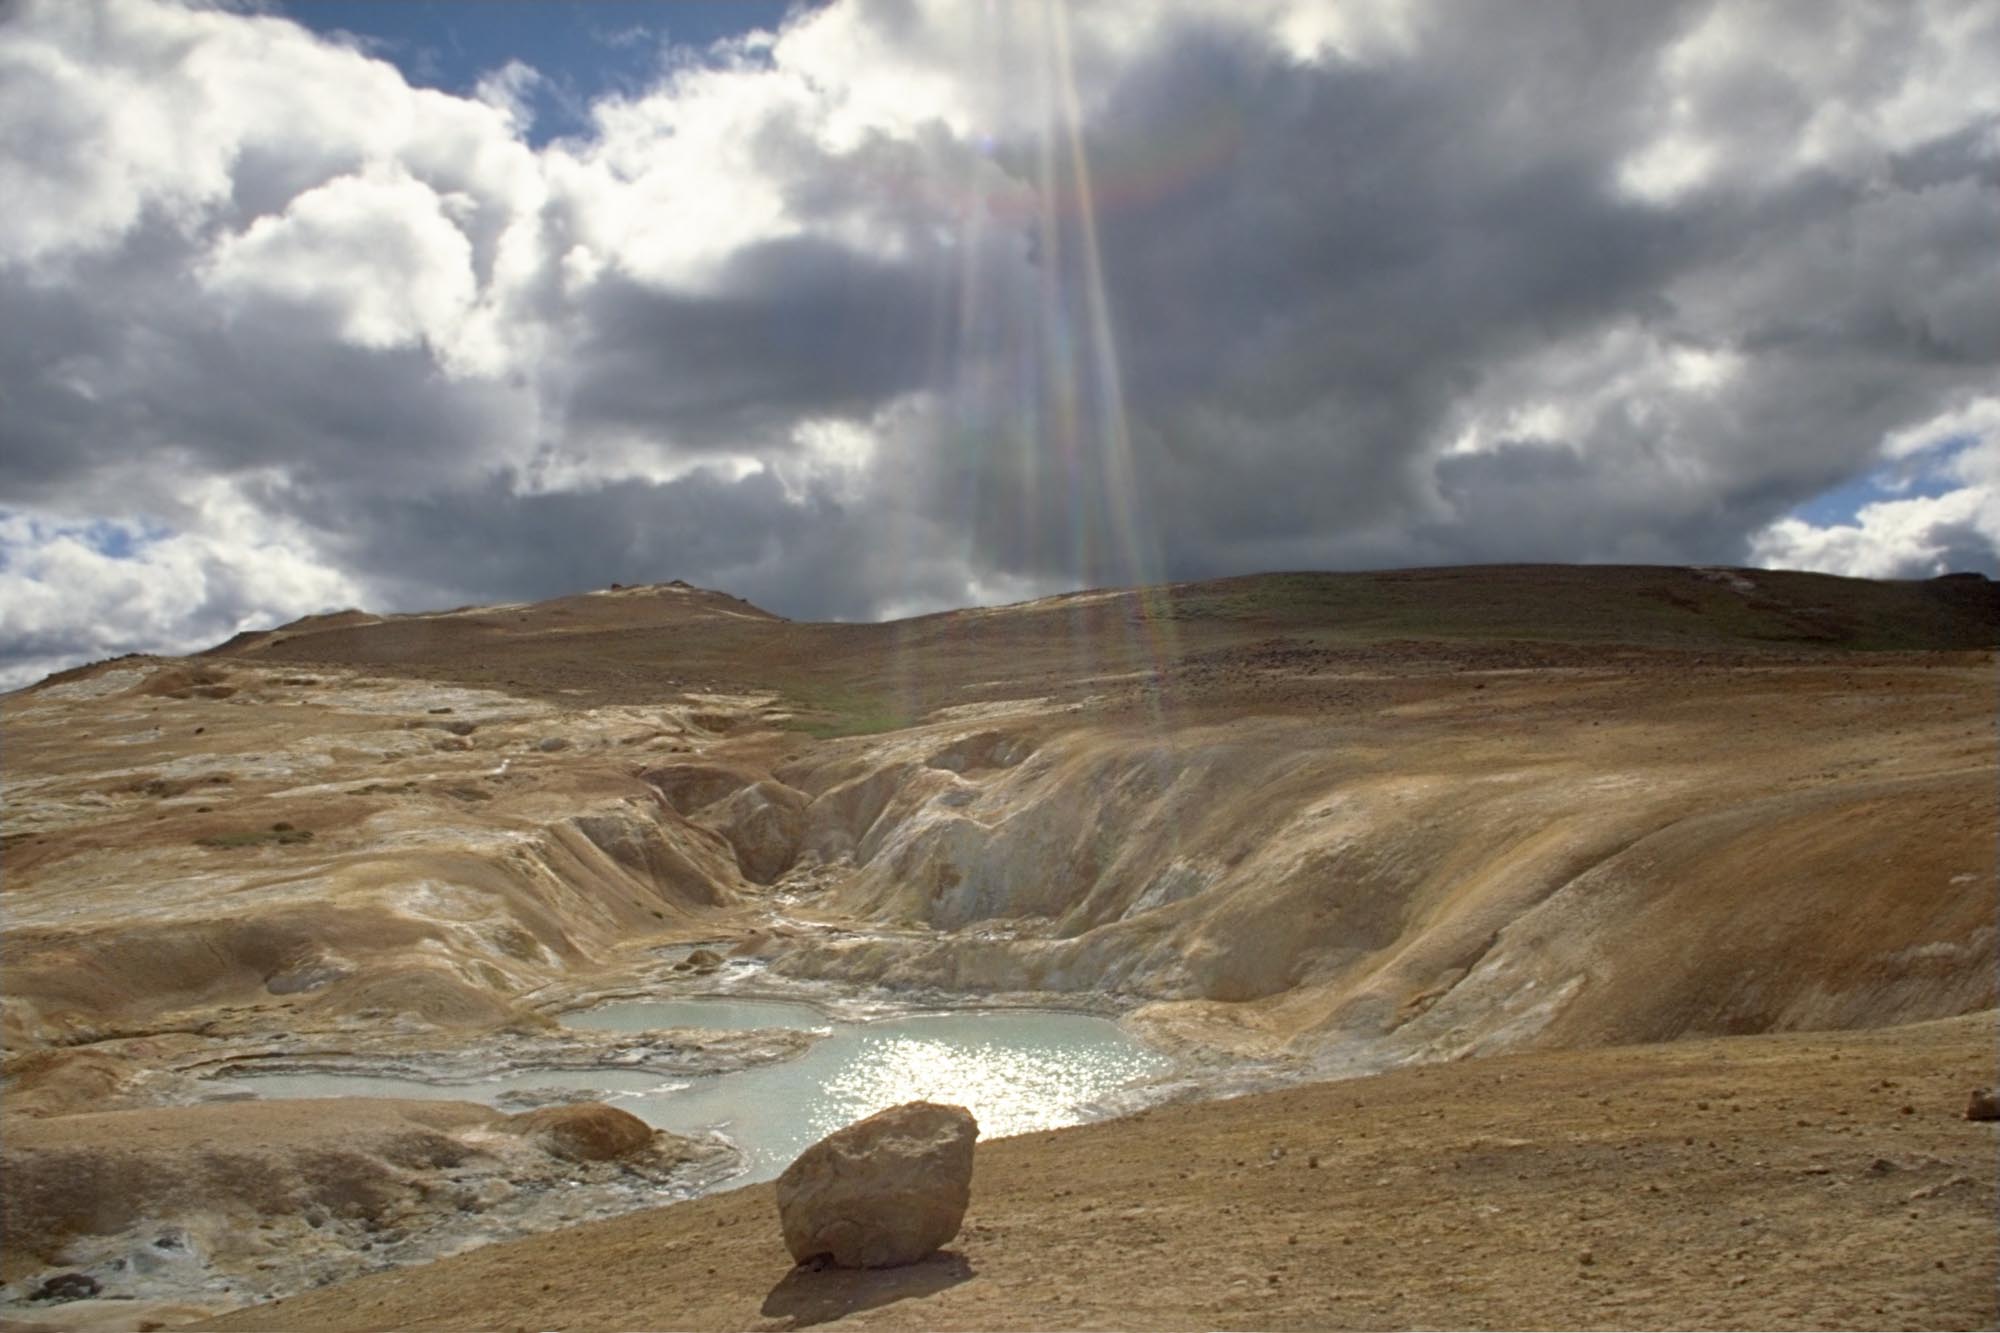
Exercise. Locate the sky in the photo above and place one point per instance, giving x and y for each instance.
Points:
(875, 307)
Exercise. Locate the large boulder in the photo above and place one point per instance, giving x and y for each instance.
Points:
(703, 961)
(884, 1191)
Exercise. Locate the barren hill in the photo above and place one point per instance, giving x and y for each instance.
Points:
(627, 644)
(1335, 823)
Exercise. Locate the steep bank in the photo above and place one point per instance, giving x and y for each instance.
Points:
(336, 847)
(1442, 864)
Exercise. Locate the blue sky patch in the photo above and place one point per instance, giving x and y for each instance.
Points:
(115, 538)
(120, 541)
(1920, 477)
(583, 50)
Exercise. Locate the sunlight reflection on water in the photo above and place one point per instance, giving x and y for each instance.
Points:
(1015, 1070)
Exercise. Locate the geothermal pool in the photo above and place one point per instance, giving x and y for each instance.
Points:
(1017, 1071)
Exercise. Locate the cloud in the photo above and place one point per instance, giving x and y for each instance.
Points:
(796, 329)
(75, 590)
(374, 257)
(919, 304)
(1890, 539)
(1956, 456)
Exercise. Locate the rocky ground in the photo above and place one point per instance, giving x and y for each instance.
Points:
(284, 1195)
(1761, 1182)
(1326, 825)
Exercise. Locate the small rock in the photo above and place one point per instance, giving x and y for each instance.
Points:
(701, 960)
(1586, 1258)
(1983, 1105)
(66, 1287)
(551, 744)
(584, 1131)
(884, 1191)
(527, 1099)
(1942, 1187)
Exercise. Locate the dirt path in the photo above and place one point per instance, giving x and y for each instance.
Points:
(1762, 1182)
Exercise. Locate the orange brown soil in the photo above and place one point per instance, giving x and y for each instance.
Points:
(78, 1174)
(1255, 639)
(1768, 1182)
(1333, 823)
(1290, 811)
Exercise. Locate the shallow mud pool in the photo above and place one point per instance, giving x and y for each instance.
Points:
(1017, 1070)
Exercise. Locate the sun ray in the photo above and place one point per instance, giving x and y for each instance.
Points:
(1133, 558)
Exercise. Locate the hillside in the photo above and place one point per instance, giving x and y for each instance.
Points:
(1204, 639)
(1331, 825)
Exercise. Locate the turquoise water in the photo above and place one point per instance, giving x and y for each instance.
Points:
(1016, 1070)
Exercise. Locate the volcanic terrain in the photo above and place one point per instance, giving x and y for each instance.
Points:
(1698, 863)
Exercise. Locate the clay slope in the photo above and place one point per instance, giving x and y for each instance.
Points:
(1426, 864)
(1374, 817)
(185, 844)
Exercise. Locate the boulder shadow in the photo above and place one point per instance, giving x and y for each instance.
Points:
(815, 1291)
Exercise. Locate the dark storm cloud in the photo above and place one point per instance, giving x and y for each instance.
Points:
(797, 329)
(1297, 314)
(48, 422)
(1300, 325)
(1362, 227)
(134, 363)
(1965, 549)
(803, 555)
(491, 542)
